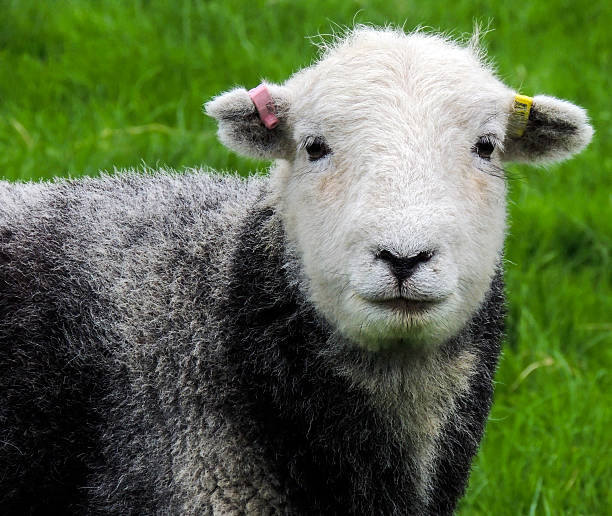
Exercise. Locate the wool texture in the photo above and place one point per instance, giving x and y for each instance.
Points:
(158, 356)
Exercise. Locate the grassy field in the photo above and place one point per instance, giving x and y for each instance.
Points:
(90, 85)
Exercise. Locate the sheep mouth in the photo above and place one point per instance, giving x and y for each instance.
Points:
(406, 305)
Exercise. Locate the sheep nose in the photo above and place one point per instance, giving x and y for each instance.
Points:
(403, 267)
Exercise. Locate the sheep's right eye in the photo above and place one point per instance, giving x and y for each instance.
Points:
(317, 149)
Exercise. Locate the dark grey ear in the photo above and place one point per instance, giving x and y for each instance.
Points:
(241, 129)
(556, 130)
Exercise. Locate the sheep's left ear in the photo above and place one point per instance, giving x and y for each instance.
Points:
(547, 131)
(242, 127)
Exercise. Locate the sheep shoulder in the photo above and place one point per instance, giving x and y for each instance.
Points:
(95, 283)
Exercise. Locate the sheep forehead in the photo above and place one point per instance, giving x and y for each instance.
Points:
(388, 76)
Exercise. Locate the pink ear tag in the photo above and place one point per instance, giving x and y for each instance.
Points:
(264, 104)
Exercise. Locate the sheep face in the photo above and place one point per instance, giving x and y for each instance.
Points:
(389, 179)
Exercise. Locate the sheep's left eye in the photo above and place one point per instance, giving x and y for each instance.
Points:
(484, 147)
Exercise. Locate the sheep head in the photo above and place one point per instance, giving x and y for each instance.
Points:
(389, 177)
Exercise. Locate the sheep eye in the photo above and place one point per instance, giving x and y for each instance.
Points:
(484, 147)
(317, 149)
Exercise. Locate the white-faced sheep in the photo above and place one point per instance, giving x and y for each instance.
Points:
(319, 341)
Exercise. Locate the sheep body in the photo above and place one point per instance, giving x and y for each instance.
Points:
(160, 357)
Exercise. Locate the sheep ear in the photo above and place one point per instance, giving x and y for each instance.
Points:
(242, 129)
(551, 130)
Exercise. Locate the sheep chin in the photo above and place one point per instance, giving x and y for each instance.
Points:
(416, 327)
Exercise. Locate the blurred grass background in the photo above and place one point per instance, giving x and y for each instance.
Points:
(90, 85)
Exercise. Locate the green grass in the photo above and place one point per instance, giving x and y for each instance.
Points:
(90, 85)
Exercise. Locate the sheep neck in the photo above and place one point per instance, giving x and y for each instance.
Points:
(374, 423)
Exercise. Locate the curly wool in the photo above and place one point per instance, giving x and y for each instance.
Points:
(159, 356)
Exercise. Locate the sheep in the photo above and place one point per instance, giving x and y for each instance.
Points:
(321, 340)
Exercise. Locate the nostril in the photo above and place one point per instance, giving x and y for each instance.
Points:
(403, 267)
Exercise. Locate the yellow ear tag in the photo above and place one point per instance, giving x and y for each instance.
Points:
(520, 114)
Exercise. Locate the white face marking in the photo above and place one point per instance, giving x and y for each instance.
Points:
(401, 116)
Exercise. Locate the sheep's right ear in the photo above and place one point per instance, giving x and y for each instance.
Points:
(241, 127)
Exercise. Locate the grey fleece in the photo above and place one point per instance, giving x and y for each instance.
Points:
(158, 355)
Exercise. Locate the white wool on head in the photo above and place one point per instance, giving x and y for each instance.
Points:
(402, 116)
